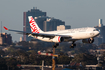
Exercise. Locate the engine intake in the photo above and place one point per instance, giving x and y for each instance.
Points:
(58, 39)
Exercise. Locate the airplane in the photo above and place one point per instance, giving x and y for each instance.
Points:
(86, 34)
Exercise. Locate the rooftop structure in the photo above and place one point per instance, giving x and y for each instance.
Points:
(5, 38)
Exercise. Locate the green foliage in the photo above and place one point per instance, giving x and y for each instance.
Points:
(63, 47)
(11, 49)
(85, 59)
(8, 63)
(11, 63)
(63, 59)
(102, 46)
(3, 65)
(24, 55)
(2, 52)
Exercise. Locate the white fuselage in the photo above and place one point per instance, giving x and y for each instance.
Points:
(75, 34)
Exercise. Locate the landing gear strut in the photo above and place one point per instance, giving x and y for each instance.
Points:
(73, 45)
(55, 45)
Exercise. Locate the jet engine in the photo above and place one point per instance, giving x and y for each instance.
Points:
(58, 39)
(90, 40)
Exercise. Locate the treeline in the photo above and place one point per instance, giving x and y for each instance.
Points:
(32, 58)
(63, 47)
(27, 54)
(28, 57)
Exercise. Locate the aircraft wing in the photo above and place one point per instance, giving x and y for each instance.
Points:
(49, 35)
(19, 32)
(38, 34)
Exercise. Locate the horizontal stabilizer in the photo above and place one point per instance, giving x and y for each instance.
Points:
(5, 28)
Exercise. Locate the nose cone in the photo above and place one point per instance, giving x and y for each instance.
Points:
(97, 33)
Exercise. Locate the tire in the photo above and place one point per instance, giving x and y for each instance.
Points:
(54, 46)
(74, 44)
(71, 46)
(57, 44)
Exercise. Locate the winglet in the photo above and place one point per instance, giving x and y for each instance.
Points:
(5, 28)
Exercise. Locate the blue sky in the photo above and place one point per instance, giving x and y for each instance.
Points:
(77, 13)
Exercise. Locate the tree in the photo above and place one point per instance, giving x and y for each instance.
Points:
(3, 65)
(85, 59)
(24, 56)
(11, 64)
(63, 59)
(2, 52)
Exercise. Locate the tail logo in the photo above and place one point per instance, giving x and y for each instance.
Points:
(33, 26)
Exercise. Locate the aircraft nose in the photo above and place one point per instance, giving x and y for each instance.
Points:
(98, 32)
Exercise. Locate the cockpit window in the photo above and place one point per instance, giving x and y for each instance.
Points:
(96, 30)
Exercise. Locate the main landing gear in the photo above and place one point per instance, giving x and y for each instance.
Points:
(55, 45)
(73, 45)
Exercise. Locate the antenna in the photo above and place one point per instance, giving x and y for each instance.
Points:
(1, 26)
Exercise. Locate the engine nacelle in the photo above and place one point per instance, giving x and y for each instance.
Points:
(58, 39)
(90, 40)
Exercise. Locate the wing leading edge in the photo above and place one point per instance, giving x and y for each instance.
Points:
(37, 34)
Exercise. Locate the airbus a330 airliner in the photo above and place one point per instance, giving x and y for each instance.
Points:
(85, 34)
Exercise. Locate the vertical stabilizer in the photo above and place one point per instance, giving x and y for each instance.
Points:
(34, 26)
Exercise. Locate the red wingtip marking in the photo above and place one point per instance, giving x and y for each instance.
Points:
(5, 28)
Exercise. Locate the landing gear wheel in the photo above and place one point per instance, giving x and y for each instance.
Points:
(73, 45)
(56, 44)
